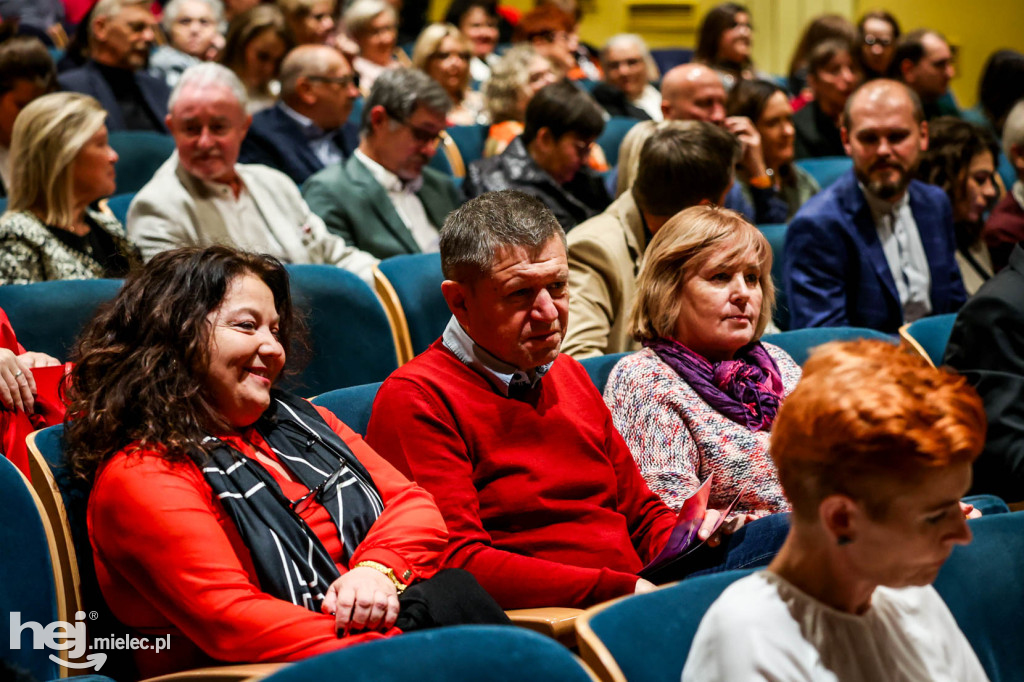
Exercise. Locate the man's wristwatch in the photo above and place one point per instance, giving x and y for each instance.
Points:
(389, 573)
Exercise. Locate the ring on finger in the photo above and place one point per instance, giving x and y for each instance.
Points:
(18, 374)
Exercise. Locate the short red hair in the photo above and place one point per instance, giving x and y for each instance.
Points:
(867, 412)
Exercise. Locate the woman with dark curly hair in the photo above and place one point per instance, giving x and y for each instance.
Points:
(236, 517)
(961, 160)
(724, 42)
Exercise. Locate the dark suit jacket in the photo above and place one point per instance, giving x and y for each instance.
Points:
(816, 135)
(835, 272)
(356, 207)
(987, 346)
(88, 80)
(615, 103)
(276, 140)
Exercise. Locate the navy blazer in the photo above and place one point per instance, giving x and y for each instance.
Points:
(835, 272)
(276, 140)
(88, 80)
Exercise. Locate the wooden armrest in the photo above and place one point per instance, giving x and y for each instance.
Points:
(222, 673)
(556, 622)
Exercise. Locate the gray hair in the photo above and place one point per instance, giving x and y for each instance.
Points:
(474, 234)
(361, 12)
(400, 92)
(621, 39)
(111, 8)
(205, 75)
(1013, 129)
(173, 9)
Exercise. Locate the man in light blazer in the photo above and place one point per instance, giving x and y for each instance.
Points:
(201, 196)
(383, 199)
(876, 249)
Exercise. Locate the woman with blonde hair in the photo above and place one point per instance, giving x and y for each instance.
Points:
(443, 53)
(64, 165)
(515, 79)
(373, 26)
(701, 397)
(256, 44)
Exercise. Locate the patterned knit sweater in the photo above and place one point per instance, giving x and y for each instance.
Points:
(677, 439)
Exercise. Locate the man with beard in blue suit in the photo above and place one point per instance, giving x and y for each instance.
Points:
(308, 129)
(876, 249)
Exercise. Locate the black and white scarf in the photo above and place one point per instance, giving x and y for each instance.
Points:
(291, 562)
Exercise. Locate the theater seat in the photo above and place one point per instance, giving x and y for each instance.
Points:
(610, 139)
(600, 367)
(351, 405)
(776, 236)
(410, 288)
(800, 342)
(140, 153)
(929, 336)
(826, 169)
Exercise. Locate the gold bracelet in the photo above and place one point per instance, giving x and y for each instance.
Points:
(389, 573)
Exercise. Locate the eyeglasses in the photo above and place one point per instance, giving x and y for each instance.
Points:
(300, 505)
(629, 62)
(464, 56)
(548, 36)
(341, 81)
(871, 41)
(422, 135)
(741, 24)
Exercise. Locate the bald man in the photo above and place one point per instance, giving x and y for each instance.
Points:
(308, 128)
(694, 92)
(876, 249)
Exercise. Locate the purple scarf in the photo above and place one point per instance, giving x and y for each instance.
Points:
(747, 390)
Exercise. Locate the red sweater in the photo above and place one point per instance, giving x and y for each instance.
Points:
(543, 501)
(169, 559)
(1004, 228)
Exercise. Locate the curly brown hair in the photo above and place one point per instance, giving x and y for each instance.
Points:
(139, 362)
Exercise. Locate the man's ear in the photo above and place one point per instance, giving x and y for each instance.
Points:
(169, 122)
(378, 116)
(455, 296)
(924, 135)
(844, 134)
(304, 90)
(99, 28)
(907, 71)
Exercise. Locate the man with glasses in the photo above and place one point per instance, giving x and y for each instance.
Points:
(308, 129)
(549, 160)
(201, 196)
(383, 199)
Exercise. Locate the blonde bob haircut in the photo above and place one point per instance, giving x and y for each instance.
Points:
(681, 247)
(48, 134)
(360, 13)
(429, 42)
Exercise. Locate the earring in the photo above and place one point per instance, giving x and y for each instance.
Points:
(843, 540)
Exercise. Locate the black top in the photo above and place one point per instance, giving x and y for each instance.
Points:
(816, 134)
(137, 115)
(98, 245)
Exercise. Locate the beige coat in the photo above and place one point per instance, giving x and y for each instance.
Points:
(605, 254)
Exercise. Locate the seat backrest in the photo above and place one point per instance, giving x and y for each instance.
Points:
(610, 138)
(776, 236)
(600, 367)
(140, 153)
(826, 169)
(668, 57)
(470, 140)
(929, 336)
(118, 205)
(351, 405)
(983, 585)
(416, 280)
(48, 316)
(800, 342)
(647, 637)
(350, 339)
(28, 584)
(466, 652)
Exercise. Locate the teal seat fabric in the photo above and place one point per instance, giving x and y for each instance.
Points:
(351, 405)
(417, 278)
(48, 316)
(470, 140)
(467, 652)
(600, 367)
(800, 342)
(826, 169)
(26, 573)
(350, 340)
(610, 139)
(139, 153)
(776, 236)
(649, 635)
(983, 585)
(933, 335)
(119, 204)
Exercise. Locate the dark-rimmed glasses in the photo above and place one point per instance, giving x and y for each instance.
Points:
(302, 504)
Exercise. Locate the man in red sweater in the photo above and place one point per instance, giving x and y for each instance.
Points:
(543, 501)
